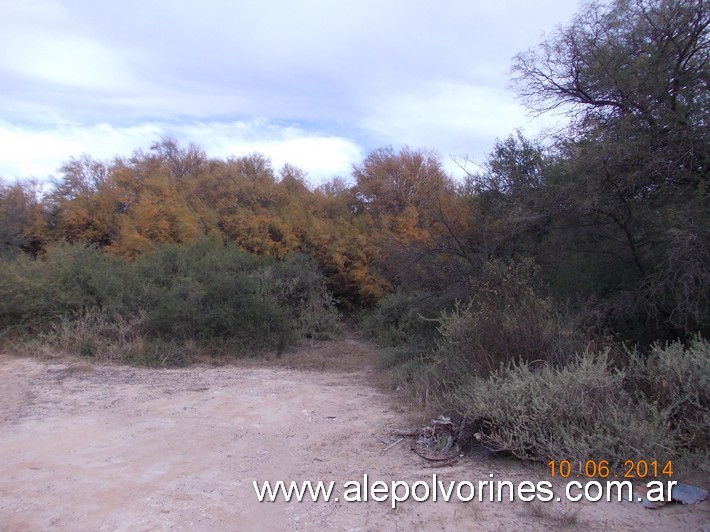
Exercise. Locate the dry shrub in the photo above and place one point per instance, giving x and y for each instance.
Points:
(677, 379)
(578, 412)
(524, 381)
(107, 337)
(100, 335)
(506, 321)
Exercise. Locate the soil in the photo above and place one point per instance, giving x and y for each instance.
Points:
(108, 447)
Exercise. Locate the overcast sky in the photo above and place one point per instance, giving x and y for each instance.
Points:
(317, 83)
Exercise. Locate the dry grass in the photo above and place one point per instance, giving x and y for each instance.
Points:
(348, 353)
(80, 366)
(344, 355)
(556, 519)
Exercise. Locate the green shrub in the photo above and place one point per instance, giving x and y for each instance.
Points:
(65, 282)
(209, 292)
(403, 318)
(297, 285)
(205, 292)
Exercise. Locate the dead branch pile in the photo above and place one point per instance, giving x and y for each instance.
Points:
(437, 442)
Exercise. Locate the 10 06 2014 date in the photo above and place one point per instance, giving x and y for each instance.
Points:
(630, 469)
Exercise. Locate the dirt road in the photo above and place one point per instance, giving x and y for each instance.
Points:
(117, 448)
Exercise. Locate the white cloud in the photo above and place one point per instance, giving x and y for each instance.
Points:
(413, 72)
(71, 62)
(456, 119)
(40, 153)
(322, 156)
(41, 44)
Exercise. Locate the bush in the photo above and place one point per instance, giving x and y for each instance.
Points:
(509, 368)
(576, 412)
(433, 344)
(656, 408)
(208, 293)
(100, 335)
(296, 284)
(403, 318)
(205, 292)
(677, 379)
(65, 282)
(505, 321)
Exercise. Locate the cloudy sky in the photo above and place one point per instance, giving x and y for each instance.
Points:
(317, 83)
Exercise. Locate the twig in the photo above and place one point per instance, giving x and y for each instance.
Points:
(666, 448)
(392, 445)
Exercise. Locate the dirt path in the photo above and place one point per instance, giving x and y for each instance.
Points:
(119, 448)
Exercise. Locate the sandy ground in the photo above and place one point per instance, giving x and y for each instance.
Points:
(106, 447)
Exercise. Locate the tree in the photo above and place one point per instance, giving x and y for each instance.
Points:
(82, 204)
(632, 173)
(388, 182)
(639, 68)
(642, 58)
(22, 218)
(181, 161)
(509, 195)
(397, 194)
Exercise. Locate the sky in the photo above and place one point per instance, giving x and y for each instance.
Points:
(315, 83)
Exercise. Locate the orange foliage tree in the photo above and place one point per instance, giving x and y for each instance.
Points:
(415, 213)
(402, 221)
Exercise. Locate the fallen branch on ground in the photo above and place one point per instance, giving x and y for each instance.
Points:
(390, 446)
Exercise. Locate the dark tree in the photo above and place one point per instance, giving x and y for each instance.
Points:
(632, 179)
